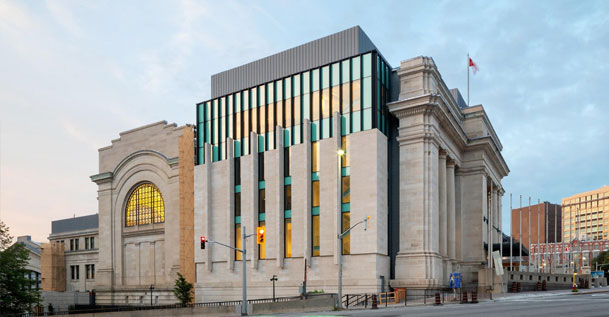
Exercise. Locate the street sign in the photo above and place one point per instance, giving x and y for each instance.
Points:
(498, 264)
(455, 280)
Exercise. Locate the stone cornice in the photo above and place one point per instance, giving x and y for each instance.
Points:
(101, 178)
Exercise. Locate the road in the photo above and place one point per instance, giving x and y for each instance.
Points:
(596, 304)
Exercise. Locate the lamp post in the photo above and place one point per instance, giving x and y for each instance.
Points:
(151, 290)
(340, 259)
(274, 279)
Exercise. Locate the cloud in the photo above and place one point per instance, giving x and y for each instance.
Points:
(62, 15)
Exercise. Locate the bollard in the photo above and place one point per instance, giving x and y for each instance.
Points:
(538, 286)
(374, 303)
(464, 297)
(438, 302)
(544, 285)
(474, 297)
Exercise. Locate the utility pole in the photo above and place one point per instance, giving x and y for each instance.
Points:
(273, 279)
(243, 251)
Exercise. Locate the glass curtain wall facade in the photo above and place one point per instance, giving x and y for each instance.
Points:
(356, 87)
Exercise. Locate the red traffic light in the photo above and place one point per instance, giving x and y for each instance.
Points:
(203, 240)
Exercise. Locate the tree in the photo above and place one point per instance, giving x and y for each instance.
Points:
(183, 290)
(601, 259)
(16, 293)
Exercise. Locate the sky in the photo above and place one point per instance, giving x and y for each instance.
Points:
(74, 74)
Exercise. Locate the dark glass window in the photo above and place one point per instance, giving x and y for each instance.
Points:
(287, 197)
(287, 158)
(237, 171)
(237, 204)
(261, 201)
(261, 166)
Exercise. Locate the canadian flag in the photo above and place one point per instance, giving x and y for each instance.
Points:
(472, 64)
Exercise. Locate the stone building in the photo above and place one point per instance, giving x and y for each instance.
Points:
(424, 166)
(70, 258)
(33, 265)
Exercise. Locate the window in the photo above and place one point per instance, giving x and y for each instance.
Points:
(287, 197)
(237, 171)
(145, 206)
(74, 269)
(260, 166)
(288, 237)
(76, 244)
(287, 153)
(237, 204)
(315, 157)
(346, 223)
(346, 189)
(261, 201)
(315, 233)
(262, 247)
(92, 242)
(315, 193)
(86, 243)
(238, 241)
(90, 270)
(71, 244)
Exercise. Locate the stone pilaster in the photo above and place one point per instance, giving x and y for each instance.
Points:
(443, 230)
(451, 214)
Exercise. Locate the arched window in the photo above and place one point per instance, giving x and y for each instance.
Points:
(145, 205)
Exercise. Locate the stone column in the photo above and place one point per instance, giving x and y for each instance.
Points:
(451, 214)
(419, 263)
(443, 230)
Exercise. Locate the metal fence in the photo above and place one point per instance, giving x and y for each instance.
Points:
(407, 298)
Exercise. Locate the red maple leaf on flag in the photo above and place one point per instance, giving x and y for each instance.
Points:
(472, 64)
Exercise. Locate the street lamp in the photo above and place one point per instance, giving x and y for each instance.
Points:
(151, 289)
(340, 259)
(274, 279)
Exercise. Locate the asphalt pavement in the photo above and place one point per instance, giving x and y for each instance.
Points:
(592, 303)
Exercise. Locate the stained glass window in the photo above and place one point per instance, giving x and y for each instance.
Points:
(145, 205)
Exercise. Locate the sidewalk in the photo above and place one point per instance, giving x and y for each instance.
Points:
(512, 296)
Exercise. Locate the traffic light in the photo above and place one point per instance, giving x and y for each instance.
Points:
(260, 235)
(203, 239)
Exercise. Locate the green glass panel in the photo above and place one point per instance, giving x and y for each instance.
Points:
(306, 107)
(344, 125)
(237, 148)
(345, 207)
(237, 188)
(296, 85)
(367, 119)
(325, 77)
(287, 180)
(346, 72)
(207, 111)
(367, 93)
(238, 219)
(315, 211)
(345, 171)
(315, 79)
(215, 154)
(306, 82)
(260, 143)
(325, 128)
(278, 92)
(315, 176)
(335, 74)
(297, 136)
(201, 155)
(314, 131)
(262, 217)
(261, 185)
(287, 214)
(357, 121)
(367, 67)
(286, 138)
(355, 68)
(288, 88)
(201, 113)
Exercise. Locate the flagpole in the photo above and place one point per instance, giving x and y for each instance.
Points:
(468, 79)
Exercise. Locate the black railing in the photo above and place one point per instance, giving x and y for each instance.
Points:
(413, 297)
(105, 309)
